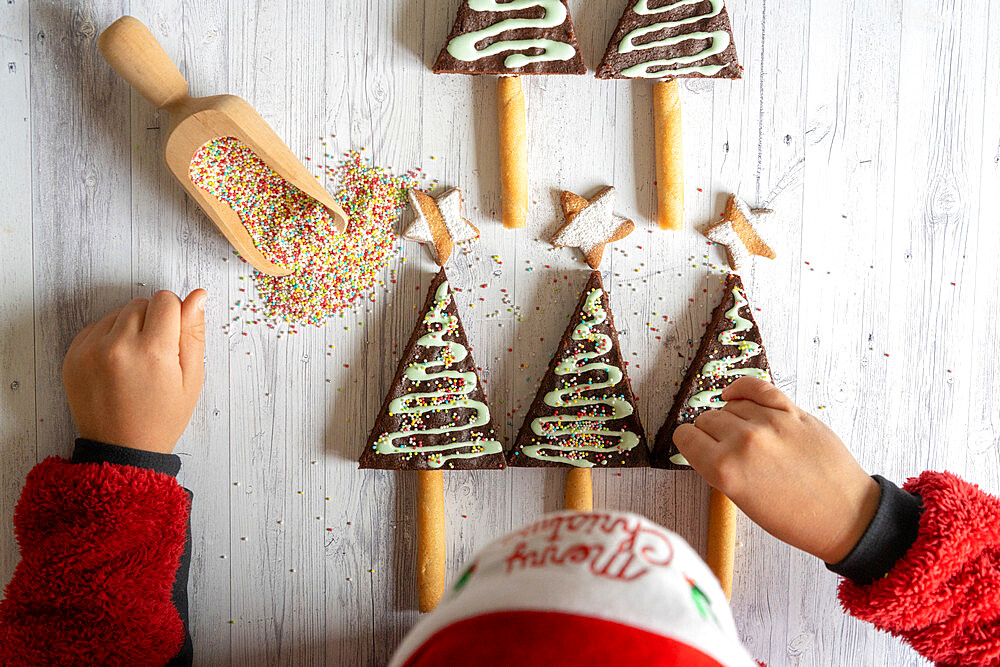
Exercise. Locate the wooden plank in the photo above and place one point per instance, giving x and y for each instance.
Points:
(17, 333)
(843, 301)
(208, 439)
(771, 112)
(260, 504)
(983, 451)
(910, 262)
(82, 193)
(933, 229)
(277, 382)
(355, 499)
(372, 543)
(80, 196)
(168, 224)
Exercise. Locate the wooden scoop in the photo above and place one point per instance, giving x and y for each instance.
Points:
(133, 52)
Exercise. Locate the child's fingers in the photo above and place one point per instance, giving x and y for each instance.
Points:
(747, 410)
(80, 337)
(697, 446)
(103, 326)
(131, 317)
(163, 317)
(192, 342)
(719, 424)
(759, 391)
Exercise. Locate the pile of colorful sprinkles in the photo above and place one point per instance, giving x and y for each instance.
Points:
(329, 270)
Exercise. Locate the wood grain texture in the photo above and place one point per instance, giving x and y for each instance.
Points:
(166, 222)
(867, 126)
(17, 331)
(81, 196)
(762, 160)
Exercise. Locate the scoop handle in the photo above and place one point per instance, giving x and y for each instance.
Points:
(133, 52)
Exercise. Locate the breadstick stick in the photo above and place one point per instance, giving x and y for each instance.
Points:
(722, 539)
(669, 154)
(430, 539)
(579, 490)
(513, 152)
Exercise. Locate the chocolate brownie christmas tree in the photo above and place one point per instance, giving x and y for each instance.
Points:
(680, 38)
(512, 37)
(435, 415)
(731, 348)
(584, 414)
(434, 418)
(686, 38)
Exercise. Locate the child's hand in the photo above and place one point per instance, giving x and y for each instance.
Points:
(133, 378)
(784, 468)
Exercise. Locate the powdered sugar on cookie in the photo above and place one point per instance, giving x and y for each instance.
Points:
(744, 231)
(438, 222)
(590, 225)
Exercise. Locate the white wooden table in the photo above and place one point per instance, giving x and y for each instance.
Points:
(872, 127)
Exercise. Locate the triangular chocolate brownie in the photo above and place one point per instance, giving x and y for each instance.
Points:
(435, 414)
(584, 414)
(512, 37)
(730, 349)
(680, 38)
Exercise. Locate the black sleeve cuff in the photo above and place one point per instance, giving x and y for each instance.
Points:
(91, 451)
(892, 531)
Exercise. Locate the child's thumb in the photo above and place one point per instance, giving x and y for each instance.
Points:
(192, 342)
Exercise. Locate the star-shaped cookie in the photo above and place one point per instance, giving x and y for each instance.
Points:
(590, 225)
(744, 232)
(438, 222)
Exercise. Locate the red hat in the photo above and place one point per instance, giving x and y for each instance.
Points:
(581, 588)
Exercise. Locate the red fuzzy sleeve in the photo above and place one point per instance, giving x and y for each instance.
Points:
(943, 595)
(100, 547)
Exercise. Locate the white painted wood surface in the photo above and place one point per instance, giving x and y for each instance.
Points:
(873, 129)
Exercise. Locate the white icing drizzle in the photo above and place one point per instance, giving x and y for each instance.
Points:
(582, 422)
(719, 42)
(723, 367)
(417, 403)
(679, 460)
(463, 47)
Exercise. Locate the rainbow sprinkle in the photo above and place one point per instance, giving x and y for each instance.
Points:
(329, 270)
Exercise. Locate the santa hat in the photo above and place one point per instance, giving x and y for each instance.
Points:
(581, 588)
